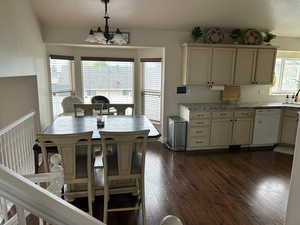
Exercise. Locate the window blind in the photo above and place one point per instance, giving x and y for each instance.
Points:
(152, 89)
(106, 59)
(65, 57)
(112, 79)
(61, 82)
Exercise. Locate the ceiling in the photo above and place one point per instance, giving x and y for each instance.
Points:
(278, 16)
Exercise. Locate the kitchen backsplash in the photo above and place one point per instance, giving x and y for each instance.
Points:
(250, 93)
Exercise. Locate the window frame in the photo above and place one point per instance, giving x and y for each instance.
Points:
(109, 59)
(72, 79)
(150, 92)
(279, 91)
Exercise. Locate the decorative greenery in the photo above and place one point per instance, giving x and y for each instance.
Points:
(236, 34)
(197, 33)
(268, 37)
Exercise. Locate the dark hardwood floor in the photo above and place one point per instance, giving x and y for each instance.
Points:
(216, 188)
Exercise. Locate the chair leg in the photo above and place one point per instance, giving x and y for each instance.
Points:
(90, 199)
(45, 161)
(105, 207)
(142, 193)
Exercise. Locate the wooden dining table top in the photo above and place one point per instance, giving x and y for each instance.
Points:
(69, 124)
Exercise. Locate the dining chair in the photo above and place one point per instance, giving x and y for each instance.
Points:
(124, 161)
(68, 103)
(120, 109)
(77, 161)
(100, 99)
(87, 109)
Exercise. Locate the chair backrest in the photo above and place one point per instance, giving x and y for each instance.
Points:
(87, 109)
(100, 100)
(123, 153)
(120, 109)
(76, 153)
(68, 103)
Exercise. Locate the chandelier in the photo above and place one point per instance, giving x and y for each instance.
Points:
(107, 37)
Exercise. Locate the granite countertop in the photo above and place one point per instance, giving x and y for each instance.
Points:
(224, 106)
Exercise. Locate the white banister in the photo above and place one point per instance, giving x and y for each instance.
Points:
(16, 141)
(38, 201)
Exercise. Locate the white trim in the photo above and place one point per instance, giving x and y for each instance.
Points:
(16, 123)
(40, 202)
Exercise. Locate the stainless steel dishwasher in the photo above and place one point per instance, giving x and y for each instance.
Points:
(176, 133)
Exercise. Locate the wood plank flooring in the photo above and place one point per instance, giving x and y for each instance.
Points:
(216, 188)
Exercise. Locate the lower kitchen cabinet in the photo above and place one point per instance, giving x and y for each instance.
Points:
(242, 131)
(221, 132)
(289, 130)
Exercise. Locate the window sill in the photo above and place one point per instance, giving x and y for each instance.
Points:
(280, 94)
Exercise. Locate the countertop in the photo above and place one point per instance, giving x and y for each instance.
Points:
(224, 106)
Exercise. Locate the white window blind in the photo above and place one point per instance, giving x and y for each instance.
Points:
(152, 89)
(61, 82)
(112, 79)
(287, 75)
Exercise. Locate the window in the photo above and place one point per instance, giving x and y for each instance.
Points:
(61, 68)
(151, 88)
(286, 75)
(112, 78)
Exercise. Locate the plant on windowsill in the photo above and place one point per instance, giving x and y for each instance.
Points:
(268, 37)
(197, 34)
(236, 36)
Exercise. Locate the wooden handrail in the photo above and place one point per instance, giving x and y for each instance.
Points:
(23, 193)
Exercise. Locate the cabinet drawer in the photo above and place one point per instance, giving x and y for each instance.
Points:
(199, 131)
(222, 114)
(243, 114)
(200, 115)
(290, 113)
(199, 123)
(199, 141)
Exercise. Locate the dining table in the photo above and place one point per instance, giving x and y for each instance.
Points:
(69, 124)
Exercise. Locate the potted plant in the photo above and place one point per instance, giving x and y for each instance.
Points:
(268, 37)
(197, 33)
(236, 36)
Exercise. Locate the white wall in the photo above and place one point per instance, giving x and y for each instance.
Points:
(18, 97)
(22, 51)
(293, 215)
(171, 42)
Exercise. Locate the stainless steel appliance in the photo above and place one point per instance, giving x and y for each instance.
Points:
(176, 133)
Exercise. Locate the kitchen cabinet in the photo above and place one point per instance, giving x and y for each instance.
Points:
(265, 62)
(221, 132)
(223, 66)
(217, 128)
(245, 66)
(289, 125)
(242, 131)
(197, 68)
(289, 131)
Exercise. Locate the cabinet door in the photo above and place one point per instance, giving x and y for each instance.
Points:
(245, 66)
(198, 66)
(223, 66)
(242, 131)
(265, 66)
(289, 130)
(221, 132)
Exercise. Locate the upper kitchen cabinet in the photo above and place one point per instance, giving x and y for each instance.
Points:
(223, 66)
(265, 66)
(245, 66)
(197, 65)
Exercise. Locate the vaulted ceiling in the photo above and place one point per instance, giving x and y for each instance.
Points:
(278, 16)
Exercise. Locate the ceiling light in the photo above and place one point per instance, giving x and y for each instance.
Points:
(107, 36)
